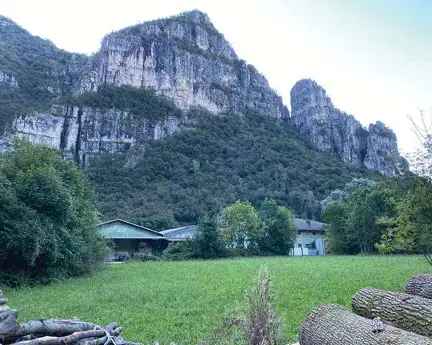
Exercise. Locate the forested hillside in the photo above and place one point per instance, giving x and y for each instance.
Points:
(217, 161)
(33, 71)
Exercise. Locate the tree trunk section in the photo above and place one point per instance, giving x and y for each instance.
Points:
(420, 285)
(408, 312)
(8, 318)
(55, 332)
(334, 325)
(69, 339)
(53, 327)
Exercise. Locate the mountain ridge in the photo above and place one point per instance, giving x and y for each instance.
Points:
(185, 59)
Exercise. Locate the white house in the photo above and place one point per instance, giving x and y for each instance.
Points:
(310, 238)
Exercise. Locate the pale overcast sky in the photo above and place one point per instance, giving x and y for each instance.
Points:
(374, 57)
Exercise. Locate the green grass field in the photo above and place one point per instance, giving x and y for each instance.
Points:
(185, 301)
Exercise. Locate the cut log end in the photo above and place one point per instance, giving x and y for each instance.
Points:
(408, 312)
(334, 325)
(420, 285)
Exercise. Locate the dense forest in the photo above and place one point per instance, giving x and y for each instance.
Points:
(214, 162)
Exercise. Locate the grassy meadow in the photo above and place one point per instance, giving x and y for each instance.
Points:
(185, 301)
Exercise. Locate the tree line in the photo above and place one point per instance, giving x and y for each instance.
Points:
(392, 217)
(240, 229)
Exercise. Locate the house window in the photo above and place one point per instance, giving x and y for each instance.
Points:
(299, 245)
(311, 245)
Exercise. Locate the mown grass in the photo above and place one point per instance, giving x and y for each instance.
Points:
(184, 301)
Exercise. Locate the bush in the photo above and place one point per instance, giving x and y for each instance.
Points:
(257, 323)
(147, 257)
(47, 217)
(208, 244)
(278, 233)
(240, 226)
(177, 251)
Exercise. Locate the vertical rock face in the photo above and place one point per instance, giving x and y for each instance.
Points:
(8, 80)
(330, 130)
(81, 132)
(188, 60)
(183, 58)
(382, 151)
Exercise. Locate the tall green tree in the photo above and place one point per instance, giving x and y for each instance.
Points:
(208, 242)
(366, 207)
(354, 223)
(278, 233)
(47, 216)
(410, 230)
(340, 239)
(240, 227)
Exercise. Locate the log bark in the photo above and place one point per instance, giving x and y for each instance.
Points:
(335, 325)
(55, 332)
(53, 327)
(69, 339)
(408, 312)
(8, 318)
(420, 285)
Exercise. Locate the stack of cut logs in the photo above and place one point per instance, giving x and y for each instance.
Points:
(381, 317)
(55, 332)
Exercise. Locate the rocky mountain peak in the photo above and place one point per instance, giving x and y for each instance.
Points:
(306, 93)
(4, 21)
(197, 17)
(329, 129)
(186, 59)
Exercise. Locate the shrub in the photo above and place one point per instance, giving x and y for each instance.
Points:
(47, 217)
(256, 324)
(240, 226)
(178, 251)
(147, 257)
(207, 243)
(278, 229)
(262, 326)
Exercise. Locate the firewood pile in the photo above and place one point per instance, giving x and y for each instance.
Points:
(378, 317)
(55, 332)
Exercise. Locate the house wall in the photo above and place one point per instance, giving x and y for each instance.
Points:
(306, 237)
(131, 247)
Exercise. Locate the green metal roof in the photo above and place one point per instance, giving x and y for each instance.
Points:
(121, 229)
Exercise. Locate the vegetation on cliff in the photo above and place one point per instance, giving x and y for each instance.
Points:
(217, 161)
(42, 72)
(141, 102)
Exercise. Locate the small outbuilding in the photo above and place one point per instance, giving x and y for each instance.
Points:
(129, 240)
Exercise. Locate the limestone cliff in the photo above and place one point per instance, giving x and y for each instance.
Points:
(330, 130)
(8, 80)
(182, 58)
(188, 60)
(81, 132)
